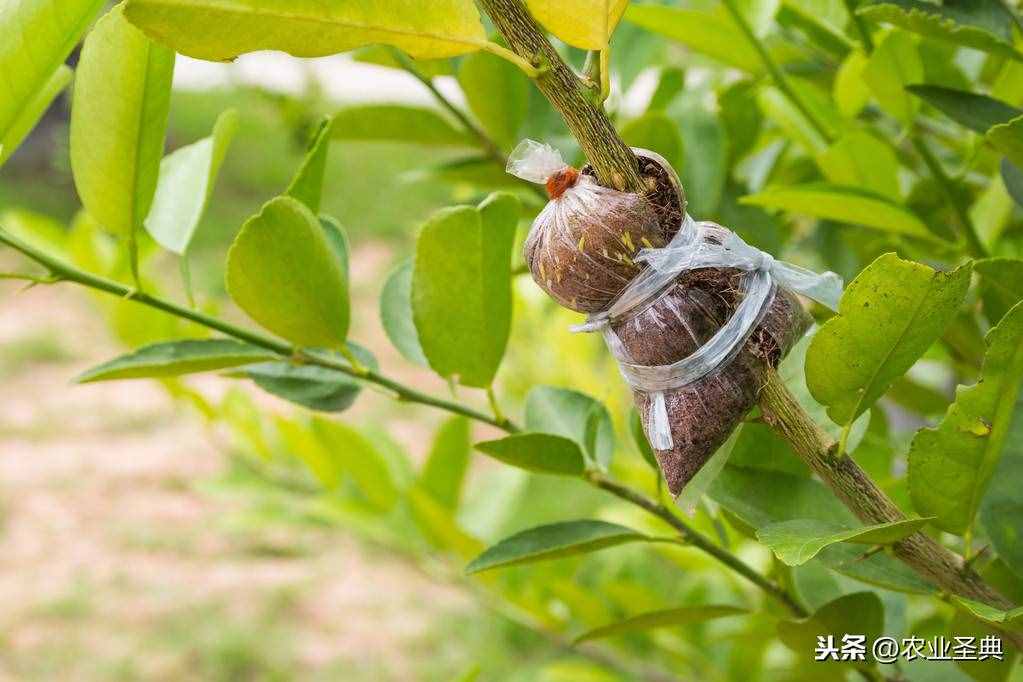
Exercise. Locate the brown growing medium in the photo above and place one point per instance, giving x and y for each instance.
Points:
(584, 262)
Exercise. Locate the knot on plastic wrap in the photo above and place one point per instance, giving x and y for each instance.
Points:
(703, 245)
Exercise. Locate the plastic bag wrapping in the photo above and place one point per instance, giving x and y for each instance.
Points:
(582, 246)
(698, 322)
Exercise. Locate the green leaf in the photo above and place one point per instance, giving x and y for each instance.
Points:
(888, 316)
(187, 177)
(894, 64)
(979, 113)
(444, 471)
(312, 386)
(950, 465)
(283, 272)
(759, 497)
(174, 358)
(860, 613)
(639, 437)
(461, 288)
(396, 313)
(670, 84)
(356, 455)
(710, 33)
(985, 26)
(850, 91)
(706, 164)
(220, 30)
(539, 452)
(586, 24)
(382, 55)
(1001, 510)
(1008, 139)
(844, 204)
(1012, 619)
(1001, 285)
(573, 415)
(36, 36)
(859, 159)
(658, 133)
(685, 615)
(796, 542)
(1012, 176)
(397, 123)
(553, 541)
(307, 184)
(118, 122)
(31, 111)
(439, 525)
(497, 93)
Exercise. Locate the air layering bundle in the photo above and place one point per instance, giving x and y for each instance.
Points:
(695, 316)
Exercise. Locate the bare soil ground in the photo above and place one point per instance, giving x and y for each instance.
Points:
(114, 562)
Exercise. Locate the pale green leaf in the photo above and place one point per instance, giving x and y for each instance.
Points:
(358, 457)
(796, 542)
(783, 113)
(860, 159)
(640, 439)
(36, 36)
(657, 132)
(437, 522)
(710, 33)
(895, 64)
(446, 464)
(396, 313)
(977, 112)
(586, 24)
(860, 613)
(32, 111)
(705, 170)
(950, 465)
(1001, 285)
(283, 272)
(312, 386)
(540, 452)
(397, 123)
(888, 317)
(844, 204)
(553, 541)
(307, 183)
(220, 30)
(497, 93)
(461, 288)
(850, 90)
(118, 122)
(573, 415)
(382, 55)
(187, 177)
(1007, 138)
(985, 26)
(759, 497)
(685, 615)
(1012, 619)
(174, 358)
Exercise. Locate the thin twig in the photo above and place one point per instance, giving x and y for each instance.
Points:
(967, 229)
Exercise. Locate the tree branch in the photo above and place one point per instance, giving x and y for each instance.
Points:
(615, 164)
(610, 157)
(66, 272)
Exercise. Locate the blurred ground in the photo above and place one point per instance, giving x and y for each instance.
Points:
(117, 562)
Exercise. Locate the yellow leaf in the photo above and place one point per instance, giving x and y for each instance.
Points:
(587, 24)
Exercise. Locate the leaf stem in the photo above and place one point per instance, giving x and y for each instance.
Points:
(775, 71)
(63, 271)
(506, 54)
(495, 407)
(490, 146)
(861, 26)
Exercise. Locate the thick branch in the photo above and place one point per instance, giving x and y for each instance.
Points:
(609, 156)
(870, 504)
(615, 164)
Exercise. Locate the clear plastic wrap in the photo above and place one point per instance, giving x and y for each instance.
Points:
(698, 321)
